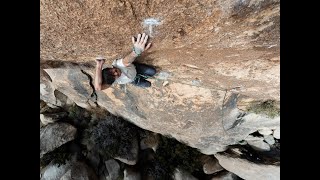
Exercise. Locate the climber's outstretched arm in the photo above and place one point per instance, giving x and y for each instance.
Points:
(98, 75)
(138, 47)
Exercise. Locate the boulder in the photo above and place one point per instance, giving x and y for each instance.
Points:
(249, 170)
(68, 171)
(113, 169)
(131, 174)
(257, 143)
(269, 139)
(265, 131)
(131, 157)
(52, 117)
(276, 133)
(180, 174)
(94, 159)
(151, 141)
(54, 171)
(211, 165)
(75, 84)
(225, 175)
(54, 135)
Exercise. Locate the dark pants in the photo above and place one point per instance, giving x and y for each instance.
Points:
(143, 72)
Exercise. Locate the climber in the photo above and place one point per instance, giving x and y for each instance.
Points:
(125, 70)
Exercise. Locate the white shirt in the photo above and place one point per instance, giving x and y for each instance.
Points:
(128, 73)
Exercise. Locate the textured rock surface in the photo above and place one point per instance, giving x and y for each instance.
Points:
(79, 171)
(257, 143)
(248, 170)
(269, 139)
(151, 141)
(54, 135)
(113, 169)
(215, 57)
(180, 174)
(226, 176)
(131, 174)
(265, 131)
(50, 118)
(54, 172)
(204, 118)
(211, 165)
(276, 133)
(79, 30)
(68, 171)
(131, 157)
(73, 83)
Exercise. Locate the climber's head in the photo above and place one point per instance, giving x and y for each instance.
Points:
(109, 75)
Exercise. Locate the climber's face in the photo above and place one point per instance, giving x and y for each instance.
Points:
(115, 72)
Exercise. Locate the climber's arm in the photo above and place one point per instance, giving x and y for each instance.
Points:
(98, 75)
(138, 47)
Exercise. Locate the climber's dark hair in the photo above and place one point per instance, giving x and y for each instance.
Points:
(107, 76)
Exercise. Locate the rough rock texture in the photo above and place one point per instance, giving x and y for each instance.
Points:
(80, 30)
(94, 160)
(151, 141)
(269, 139)
(226, 176)
(131, 157)
(51, 118)
(79, 171)
(131, 174)
(76, 86)
(68, 171)
(248, 170)
(211, 165)
(257, 143)
(215, 57)
(180, 174)
(265, 131)
(276, 133)
(55, 135)
(47, 89)
(186, 112)
(53, 171)
(113, 169)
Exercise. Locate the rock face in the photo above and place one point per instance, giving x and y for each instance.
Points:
(214, 57)
(226, 176)
(113, 169)
(131, 174)
(75, 84)
(55, 135)
(180, 174)
(257, 143)
(249, 170)
(68, 171)
(50, 118)
(211, 165)
(276, 133)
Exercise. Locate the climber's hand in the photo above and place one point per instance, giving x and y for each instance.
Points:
(100, 62)
(140, 45)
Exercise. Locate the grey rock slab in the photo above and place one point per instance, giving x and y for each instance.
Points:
(130, 174)
(225, 176)
(113, 169)
(54, 135)
(52, 117)
(257, 143)
(180, 174)
(265, 131)
(276, 133)
(249, 170)
(211, 166)
(269, 139)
